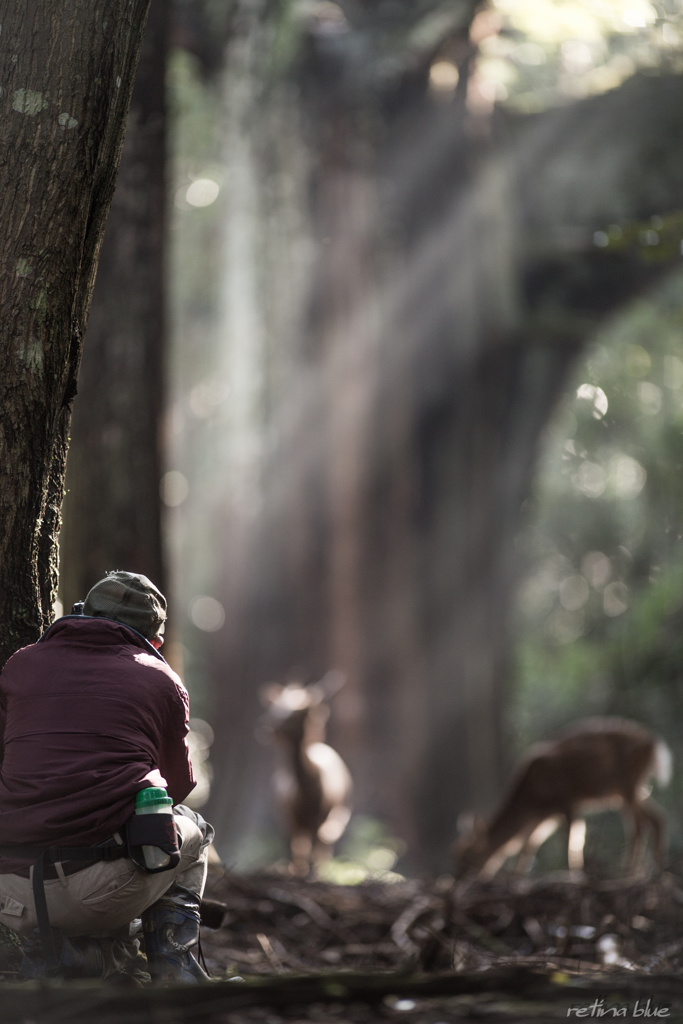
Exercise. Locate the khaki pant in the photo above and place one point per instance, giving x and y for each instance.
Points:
(101, 900)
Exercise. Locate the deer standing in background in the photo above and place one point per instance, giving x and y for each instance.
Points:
(595, 764)
(312, 784)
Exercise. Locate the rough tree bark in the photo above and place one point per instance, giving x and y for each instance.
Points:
(66, 83)
(112, 505)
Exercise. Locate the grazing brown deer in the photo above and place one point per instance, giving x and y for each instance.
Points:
(594, 764)
(312, 784)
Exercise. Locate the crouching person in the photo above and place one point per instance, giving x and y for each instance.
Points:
(90, 717)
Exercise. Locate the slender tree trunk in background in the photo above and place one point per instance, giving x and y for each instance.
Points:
(475, 443)
(112, 505)
(63, 107)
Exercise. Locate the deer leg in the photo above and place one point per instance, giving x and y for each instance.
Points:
(322, 853)
(334, 824)
(495, 862)
(636, 838)
(525, 858)
(655, 818)
(493, 865)
(302, 849)
(575, 843)
(538, 836)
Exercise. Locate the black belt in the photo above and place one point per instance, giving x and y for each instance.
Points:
(47, 855)
(68, 868)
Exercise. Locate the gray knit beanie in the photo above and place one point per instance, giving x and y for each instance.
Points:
(128, 598)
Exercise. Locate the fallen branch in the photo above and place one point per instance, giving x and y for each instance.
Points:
(84, 1002)
(311, 908)
(399, 929)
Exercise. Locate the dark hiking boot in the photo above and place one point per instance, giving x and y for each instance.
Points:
(80, 957)
(171, 930)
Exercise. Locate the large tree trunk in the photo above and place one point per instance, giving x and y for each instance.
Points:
(112, 505)
(63, 107)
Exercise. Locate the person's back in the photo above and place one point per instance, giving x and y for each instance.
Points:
(92, 715)
(88, 713)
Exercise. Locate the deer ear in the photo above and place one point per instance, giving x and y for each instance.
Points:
(322, 713)
(315, 695)
(269, 693)
(331, 683)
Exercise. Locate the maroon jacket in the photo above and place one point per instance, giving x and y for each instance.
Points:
(85, 714)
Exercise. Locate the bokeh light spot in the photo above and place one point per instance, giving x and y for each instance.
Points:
(628, 476)
(174, 488)
(573, 593)
(596, 568)
(443, 76)
(615, 599)
(381, 859)
(650, 398)
(595, 395)
(202, 192)
(207, 614)
(590, 479)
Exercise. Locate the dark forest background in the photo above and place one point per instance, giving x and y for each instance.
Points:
(384, 373)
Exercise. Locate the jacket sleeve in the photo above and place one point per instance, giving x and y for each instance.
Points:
(3, 719)
(174, 755)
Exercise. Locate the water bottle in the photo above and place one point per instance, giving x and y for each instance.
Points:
(154, 800)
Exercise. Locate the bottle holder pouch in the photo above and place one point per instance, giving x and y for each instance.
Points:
(152, 830)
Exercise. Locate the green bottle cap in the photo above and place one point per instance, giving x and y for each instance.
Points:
(152, 795)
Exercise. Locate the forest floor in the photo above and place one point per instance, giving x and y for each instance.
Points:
(291, 951)
(276, 923)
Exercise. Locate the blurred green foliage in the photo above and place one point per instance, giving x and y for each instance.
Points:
(600, 615)
(367, 851)
(536, 54)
